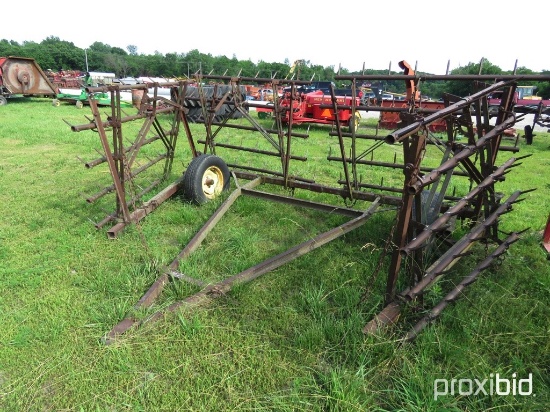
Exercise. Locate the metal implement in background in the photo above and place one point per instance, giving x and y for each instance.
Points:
(23, 76)
(419, 183)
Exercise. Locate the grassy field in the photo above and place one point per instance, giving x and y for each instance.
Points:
(290, 340)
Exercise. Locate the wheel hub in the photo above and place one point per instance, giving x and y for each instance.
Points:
(212, 182)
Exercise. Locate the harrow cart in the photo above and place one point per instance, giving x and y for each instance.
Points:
(427, 181)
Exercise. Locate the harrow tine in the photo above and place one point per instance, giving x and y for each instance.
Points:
(528, 191)
(454, 294)
(524, 156)
(81, 160)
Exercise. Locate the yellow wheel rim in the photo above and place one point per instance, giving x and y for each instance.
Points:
(212, 182)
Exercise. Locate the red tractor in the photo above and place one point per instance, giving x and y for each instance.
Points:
(315, 107)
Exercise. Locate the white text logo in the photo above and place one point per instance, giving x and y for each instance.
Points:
(494, 385)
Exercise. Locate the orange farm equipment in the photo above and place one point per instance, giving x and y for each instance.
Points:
(392, 120)
(315, 107)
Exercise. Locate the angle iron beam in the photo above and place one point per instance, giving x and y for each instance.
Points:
(157, 287)
(147, 207)
(196, 241)
(403, 228)
(224, 286)
(466, 77)
(318, 188)
(293, 201)
(117, 182)
(341, 144)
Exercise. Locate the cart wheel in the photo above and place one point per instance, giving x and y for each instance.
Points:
(205, 178)
(354, 122)
(79, 104)
(3, 101)
(56, 103)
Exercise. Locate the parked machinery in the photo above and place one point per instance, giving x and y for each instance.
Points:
(23, 76)
(314, 107)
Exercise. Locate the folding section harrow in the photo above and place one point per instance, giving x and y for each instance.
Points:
(430, 180)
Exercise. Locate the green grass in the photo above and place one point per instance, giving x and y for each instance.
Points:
(290, 340)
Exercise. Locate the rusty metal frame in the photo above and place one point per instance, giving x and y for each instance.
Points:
(211, 291)
(414, 230)
(121, 159)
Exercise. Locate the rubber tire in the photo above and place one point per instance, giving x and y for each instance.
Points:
(194, 114)
(202, 167)
(56, 103)
(3, 101)
(79, 104)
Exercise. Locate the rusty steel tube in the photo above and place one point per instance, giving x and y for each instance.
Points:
(461, 246)
(458, 290)
(103, 159)
(254, 129)
(254, 79)
(390, 165)
(467, 151)
(147, 207)
(92, 125)
(251, 150)
(405, 132)
(440, 222)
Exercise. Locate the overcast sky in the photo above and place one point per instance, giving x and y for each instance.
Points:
(376, 33)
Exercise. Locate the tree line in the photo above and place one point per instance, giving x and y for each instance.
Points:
(55, 54)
